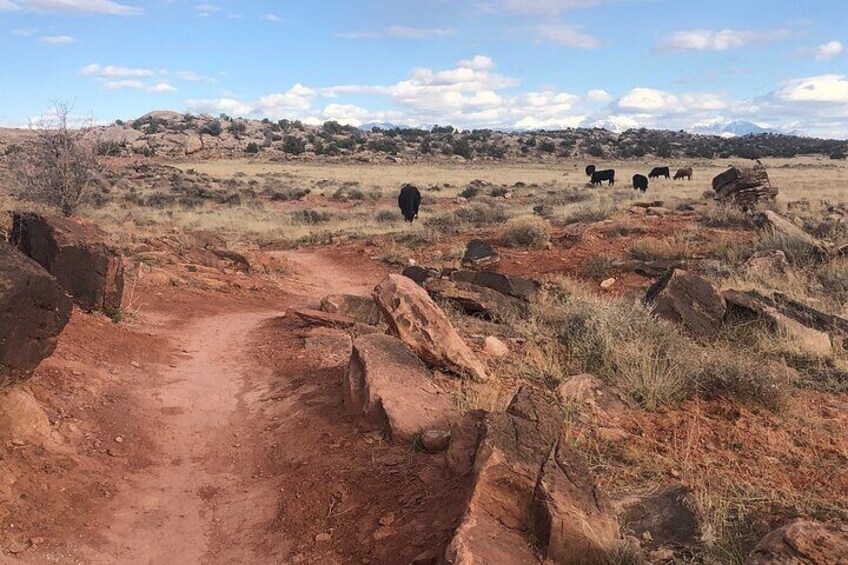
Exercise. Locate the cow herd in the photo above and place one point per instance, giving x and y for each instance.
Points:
(409, 199)
(640, 182)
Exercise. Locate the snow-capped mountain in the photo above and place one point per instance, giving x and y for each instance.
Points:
(735, 128)
(615, 124)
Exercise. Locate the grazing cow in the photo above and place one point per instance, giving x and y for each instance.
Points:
(409, 200)
(599, 177)
(590, 170)
(640, 182)
(684, 172)
(657, 172)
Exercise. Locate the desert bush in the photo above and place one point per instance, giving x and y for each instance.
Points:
(286, 194)
(725, 216)
(59, 168)
(798, 251)
(384, 145)
(833, 277)
(348, 192)
(651, 248)
(212, 128)
(482, 214)
(598, 266)
(107, 149)
(293, 145)
(470, 191)
(387, 216)
(570, 195)
(590, 213)
(499, 191)
(311, 217)
(724, 372)
(527, 231)
(252, 148)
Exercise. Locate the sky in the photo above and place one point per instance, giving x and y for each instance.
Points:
(673, 64)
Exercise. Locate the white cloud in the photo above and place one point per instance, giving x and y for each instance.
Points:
(829, 50)
(206, 10)
(229, 106)
(110, 71)
(160, 87)
(565, 35)
(823, 88)
(402, 32)
(598, 96)
(653, 101)
(537, 6)
(272, 18)
(118, 84)
(722, 40)
(56, 40)
(71, 6)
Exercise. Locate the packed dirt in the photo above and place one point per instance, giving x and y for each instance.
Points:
(213, 436)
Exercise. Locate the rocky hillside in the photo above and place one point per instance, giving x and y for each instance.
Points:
(174, 135)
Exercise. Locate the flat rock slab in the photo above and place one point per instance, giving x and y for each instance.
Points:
(516, 287)
(689, 300)
(597, 400)
(387, 384)
(34, 310)
(319, 318)
(421, 274)
(477, 300)
(666, 515)
(781, 226)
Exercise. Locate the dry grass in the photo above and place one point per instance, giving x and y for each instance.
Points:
(527, 231)
(651, 248)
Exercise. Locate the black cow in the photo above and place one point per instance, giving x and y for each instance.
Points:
(590, 170)
(640, 182)
(599, 177)
(409, 200)
(657, 172)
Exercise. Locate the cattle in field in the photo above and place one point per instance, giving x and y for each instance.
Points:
(409, 200)
(598, 177)
(685, 172)
(590, 170)
(640, 182)
(657, 172)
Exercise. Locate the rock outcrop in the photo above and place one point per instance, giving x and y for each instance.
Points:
(744, 186)
(388, 385)
(529, 484)
(781, 226)
(413, 317)
(509, 285)
(33, 312)
(689, 300)
(77, 255)
(664, 518)
(801, 542)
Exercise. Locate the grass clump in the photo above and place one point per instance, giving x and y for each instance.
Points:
(651, 249)
(718, 215)
(528, 232)
(799, 252)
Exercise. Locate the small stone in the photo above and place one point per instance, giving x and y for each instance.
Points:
(119, 439)
(388, 519)
(135, 364)
(384, 532)
(323, 537)
(495, 347)
(661, 555)
(607, 283)
(18, 442)
(435, 441)
(15, 548)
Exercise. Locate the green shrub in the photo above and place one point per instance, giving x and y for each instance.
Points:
(252, 148)
(293, 145)
(212, 128)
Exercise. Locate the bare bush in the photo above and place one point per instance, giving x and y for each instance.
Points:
(59, 167)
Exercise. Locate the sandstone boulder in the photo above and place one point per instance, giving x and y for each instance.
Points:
(801, 542)
(476, 300)
(689, 300)
(768, 263)
(120, 135)
(388, 385)
(33, 312)
(77, 255)
(413, 317)
(478, 253)
(744, 186)
(509, 285)
(362, 309)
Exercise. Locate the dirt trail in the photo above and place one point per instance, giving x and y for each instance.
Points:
(255, 460)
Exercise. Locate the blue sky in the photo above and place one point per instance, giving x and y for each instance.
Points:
(473, 63)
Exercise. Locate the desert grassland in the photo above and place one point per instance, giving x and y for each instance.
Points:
(813, 177)
(561, 184)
